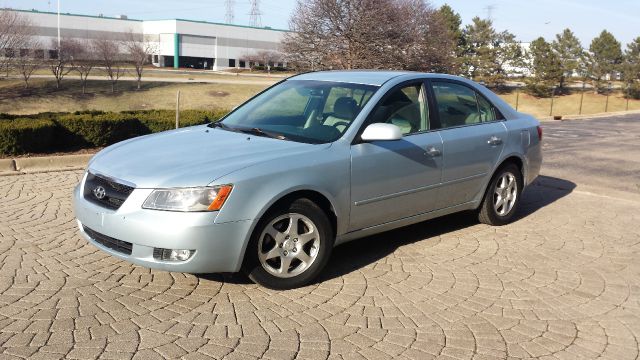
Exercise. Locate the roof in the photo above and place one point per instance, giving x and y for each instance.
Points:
(368, 77)
(34, 11)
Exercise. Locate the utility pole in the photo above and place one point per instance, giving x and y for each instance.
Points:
(489, 10)
(229, 16)
(255, 15)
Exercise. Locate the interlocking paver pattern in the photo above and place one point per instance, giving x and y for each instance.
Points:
(562, 282)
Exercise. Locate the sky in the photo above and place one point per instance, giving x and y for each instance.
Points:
(527, 19)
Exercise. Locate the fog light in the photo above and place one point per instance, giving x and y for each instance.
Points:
(172, 254)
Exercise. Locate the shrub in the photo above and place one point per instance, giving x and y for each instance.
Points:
(633, 92)
(19, 134)
(25, 135)
(98, 130)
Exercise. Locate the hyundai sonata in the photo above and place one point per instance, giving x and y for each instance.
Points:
(312, 162)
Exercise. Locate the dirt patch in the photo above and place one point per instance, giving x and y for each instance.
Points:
(216, 93)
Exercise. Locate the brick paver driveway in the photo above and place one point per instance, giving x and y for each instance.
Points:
(562, 281)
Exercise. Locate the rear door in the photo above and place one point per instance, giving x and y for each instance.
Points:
(473, 136)
(391, 180)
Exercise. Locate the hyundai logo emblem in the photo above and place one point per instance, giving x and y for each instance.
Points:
(99, 192)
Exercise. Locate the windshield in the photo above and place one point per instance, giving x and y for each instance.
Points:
(305, 111)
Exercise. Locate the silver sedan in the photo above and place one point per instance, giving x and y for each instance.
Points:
(312, 162)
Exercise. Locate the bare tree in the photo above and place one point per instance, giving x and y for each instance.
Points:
(267, 58)
(27, 63)
(396, 34)
(109, 57)
(84, 61)
(15, 34)
(61, 62)
(138, 52)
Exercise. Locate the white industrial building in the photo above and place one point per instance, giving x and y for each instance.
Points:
(178, 43)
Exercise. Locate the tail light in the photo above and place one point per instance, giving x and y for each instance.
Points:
(539, 132)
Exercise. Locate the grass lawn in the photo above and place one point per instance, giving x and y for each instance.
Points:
(42, 96)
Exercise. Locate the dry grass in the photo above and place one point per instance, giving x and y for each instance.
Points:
(570, 104)
(43, 97)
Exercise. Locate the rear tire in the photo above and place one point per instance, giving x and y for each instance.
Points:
(290, 246)
(502, 196)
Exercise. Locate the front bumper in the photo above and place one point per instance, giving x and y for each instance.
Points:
(219, 247)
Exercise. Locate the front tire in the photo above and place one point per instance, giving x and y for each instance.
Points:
(502, 197)
(290, 246)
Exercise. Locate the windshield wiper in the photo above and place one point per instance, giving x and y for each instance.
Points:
(260, 132)
(221, 125)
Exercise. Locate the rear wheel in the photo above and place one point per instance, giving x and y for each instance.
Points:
(502, 197)
(290, 246)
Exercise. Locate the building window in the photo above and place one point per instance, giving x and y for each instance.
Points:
(39, 54)
(232, 62)
(24, 52)
(9, 53)
(243, 64)
(155, 59)
(53, 54)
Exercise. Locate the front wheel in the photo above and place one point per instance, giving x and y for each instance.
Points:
(290, 246)
(502, 197)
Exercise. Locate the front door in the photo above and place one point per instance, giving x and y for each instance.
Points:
(391, 180)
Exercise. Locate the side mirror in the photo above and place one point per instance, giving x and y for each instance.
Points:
(381, 132)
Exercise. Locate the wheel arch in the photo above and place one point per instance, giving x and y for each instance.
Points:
(515, 159)
(319, 198)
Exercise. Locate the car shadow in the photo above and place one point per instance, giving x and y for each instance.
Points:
(360, 253)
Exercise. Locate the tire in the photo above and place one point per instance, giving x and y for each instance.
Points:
(274, 244)
(491, 211)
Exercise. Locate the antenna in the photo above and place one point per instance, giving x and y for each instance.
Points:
(489, 10)
(229, 17)
(255, 15)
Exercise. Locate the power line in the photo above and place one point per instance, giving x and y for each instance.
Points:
(229, 16)
(255, 16)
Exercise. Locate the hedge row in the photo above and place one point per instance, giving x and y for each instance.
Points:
(50, 132)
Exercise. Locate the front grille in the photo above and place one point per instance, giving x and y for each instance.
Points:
(105, 192)
(109, 242)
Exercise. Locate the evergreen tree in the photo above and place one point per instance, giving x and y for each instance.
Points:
(604, 58)
(453, 22)
(488, 54)
(631, 68)
(569, 52)
(546, 68)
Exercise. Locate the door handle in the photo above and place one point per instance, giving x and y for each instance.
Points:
(433, 152)
(494, 140)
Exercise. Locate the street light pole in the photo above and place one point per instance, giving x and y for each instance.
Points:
(59, 29)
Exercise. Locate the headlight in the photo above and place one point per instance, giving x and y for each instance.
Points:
(188, 199)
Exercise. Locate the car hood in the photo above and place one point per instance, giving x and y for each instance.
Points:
(190, 157)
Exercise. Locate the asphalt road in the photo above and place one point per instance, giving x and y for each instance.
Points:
(600, 154)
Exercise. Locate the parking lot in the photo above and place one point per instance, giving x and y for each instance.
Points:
(561, 282)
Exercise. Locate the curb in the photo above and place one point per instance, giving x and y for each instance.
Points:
(7, 166)
(592, 116)
(43, 164)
